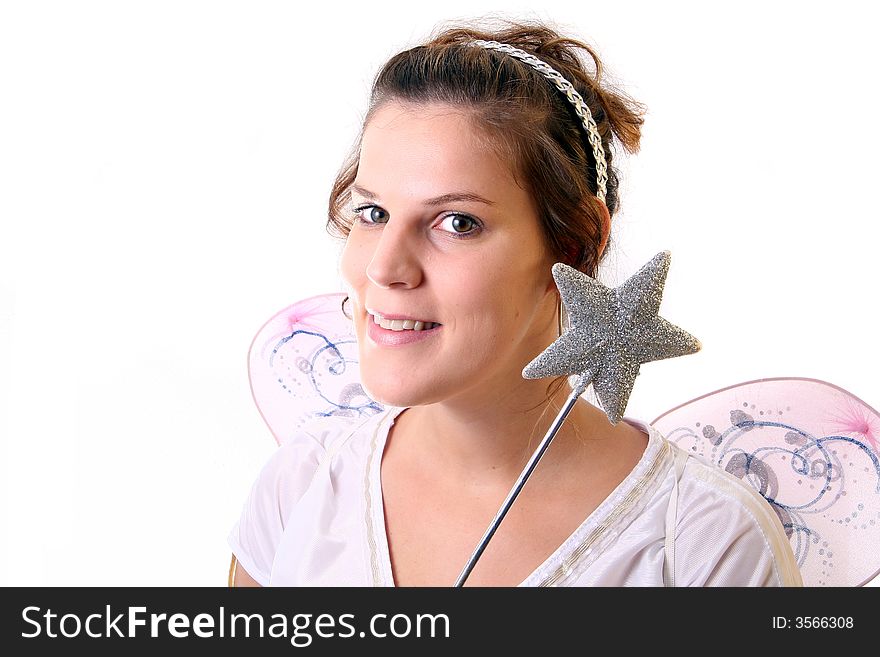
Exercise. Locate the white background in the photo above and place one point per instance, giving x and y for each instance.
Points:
(164, 173)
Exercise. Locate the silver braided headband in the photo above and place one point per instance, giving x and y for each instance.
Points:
(580, 107)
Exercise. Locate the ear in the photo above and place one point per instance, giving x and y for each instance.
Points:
(605, 219)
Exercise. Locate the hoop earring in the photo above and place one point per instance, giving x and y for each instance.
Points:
(342, 307)
(559, 317)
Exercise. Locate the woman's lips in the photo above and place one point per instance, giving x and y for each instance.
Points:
(388, 338)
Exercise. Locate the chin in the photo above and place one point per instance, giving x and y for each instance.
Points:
(392, 395)
(394, 386)
(390, 390)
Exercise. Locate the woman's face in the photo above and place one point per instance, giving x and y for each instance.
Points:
(443, 234)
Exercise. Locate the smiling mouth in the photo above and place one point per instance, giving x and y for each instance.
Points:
(402, 324)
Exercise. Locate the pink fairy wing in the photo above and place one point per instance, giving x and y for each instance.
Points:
(811, 449)
(303, 363)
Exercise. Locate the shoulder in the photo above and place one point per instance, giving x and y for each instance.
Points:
(281, 484)
(316, 439)
(727, 533)
(292, 466)
(707, 489)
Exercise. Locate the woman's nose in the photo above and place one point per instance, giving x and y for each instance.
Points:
(395, 261)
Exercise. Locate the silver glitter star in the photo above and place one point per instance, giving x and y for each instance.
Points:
(613, 331)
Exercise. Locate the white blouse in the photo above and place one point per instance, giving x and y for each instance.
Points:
(315, 517)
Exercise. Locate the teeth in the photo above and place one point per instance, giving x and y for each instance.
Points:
(403, 324)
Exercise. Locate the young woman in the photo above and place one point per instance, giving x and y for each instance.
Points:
(473, 175)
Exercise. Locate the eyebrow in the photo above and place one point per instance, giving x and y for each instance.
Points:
(452, 197)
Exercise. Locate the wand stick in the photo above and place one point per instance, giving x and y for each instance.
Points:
(579, 389)
(612, 332)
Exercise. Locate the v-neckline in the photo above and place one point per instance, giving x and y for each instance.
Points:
(383, 574)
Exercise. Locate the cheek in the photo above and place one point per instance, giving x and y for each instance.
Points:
(352, 272)
(353, 265)
(512, 300)
(484, 305)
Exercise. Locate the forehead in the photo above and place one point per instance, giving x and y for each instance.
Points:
(430, 146)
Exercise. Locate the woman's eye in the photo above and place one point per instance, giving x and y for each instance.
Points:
(371, 214)
(460, 224)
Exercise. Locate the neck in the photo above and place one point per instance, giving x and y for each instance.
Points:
(487, 440)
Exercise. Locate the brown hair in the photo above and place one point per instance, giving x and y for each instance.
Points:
(531, 124)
